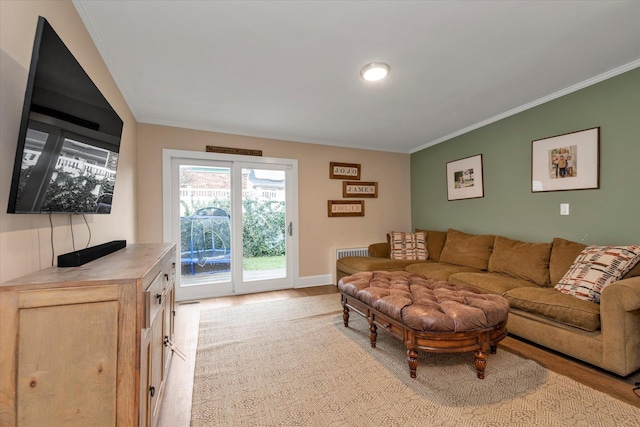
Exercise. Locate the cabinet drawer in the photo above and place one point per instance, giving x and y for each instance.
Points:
(389, 325)
(169, 270)
(154, 298)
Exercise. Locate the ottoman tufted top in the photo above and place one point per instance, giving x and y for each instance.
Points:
(425, 304)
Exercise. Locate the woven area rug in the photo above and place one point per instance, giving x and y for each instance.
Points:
(293, 363)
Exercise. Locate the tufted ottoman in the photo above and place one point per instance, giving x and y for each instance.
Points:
(426, 314)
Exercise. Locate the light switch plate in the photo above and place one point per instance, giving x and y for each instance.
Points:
(564, 208)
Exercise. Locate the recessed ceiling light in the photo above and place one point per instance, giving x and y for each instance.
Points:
(375, 71)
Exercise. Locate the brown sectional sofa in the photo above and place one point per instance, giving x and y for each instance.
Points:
(606, 335)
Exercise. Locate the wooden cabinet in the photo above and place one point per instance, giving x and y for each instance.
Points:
(86, 345)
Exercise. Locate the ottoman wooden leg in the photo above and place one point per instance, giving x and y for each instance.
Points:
(412, 359)
(481, 362)
(345, 315)
(373, 334)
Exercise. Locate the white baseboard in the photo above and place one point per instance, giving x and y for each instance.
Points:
(309, 281)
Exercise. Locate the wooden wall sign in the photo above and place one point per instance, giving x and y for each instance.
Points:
(359, 189)
(338, 208)
(229, 150)
(344, 170)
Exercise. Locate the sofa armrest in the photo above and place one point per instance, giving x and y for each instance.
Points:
(379, 250)
(620, 323)
(624, 293)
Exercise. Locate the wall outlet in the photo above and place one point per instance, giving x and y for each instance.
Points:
(564, 208)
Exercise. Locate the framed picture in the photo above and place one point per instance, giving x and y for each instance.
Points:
(566, 162)
(344, 171)
(464, 178)
(359, 189)
(345, 208)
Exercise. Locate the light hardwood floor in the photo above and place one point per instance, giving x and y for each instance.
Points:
(176, 406)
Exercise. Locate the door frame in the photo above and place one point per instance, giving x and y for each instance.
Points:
(169, 199)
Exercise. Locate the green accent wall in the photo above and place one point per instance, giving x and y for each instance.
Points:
(608, 215)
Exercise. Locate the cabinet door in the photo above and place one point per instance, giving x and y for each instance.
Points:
(145, 380)
(68, 363)
(156, 348)
(169, 319)
(169, 312)
(152, 372)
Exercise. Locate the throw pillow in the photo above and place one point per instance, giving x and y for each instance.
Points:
(563, 253)
(469, 250)
(411, 246)
(596, 268)
(524, 260)
(435, 242)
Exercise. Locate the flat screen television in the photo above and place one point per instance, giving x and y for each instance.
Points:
(69, 138)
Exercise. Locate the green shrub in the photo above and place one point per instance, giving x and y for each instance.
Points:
(263, 228)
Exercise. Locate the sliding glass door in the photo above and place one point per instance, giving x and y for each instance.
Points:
(263, 229)
(234, 222)
(204, 201)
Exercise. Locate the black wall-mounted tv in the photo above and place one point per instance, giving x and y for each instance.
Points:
(69, 138)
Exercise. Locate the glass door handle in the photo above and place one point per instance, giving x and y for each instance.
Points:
(290, 229)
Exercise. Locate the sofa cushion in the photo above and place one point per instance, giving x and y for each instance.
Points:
(408, 245)
(496, 283)
(469, 250)
(438, 270)
(635, 271)
(380, 250)
(563, 253)
(356, 264)
(549, 303)
(435, 243)
(597, 267)
(523, 260)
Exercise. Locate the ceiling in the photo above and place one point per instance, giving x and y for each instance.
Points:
(290, 70)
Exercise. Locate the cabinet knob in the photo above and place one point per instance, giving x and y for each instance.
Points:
(152, 391)
(159, 298)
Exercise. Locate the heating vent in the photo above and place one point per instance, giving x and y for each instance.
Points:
(341, 253)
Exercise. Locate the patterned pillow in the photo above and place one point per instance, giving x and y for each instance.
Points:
(597, 267)
(411, 246)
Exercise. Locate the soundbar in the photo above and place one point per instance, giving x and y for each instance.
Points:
(83, 256)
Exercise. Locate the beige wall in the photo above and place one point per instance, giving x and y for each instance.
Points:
(319, 234)
(25, 239)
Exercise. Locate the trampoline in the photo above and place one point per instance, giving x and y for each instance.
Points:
(206, 241)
